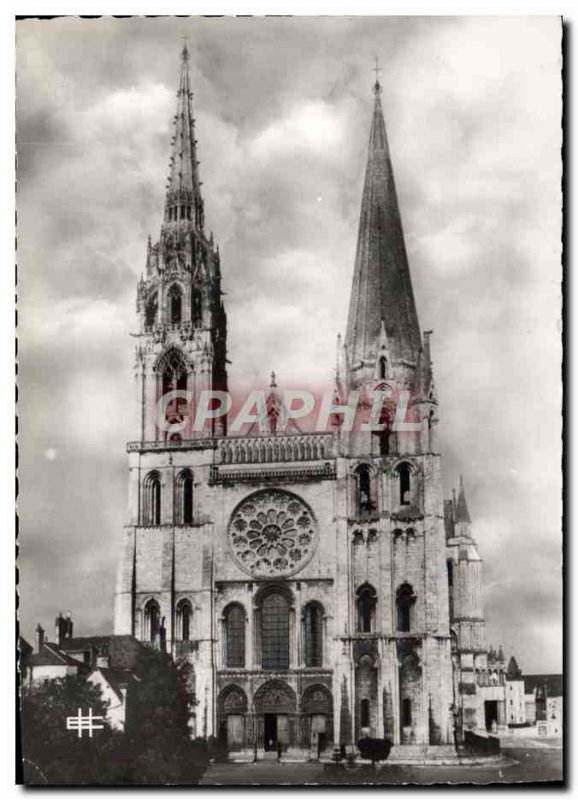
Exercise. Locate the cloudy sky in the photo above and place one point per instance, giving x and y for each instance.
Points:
(283, 109)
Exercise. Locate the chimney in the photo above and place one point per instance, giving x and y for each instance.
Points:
(39, 638)
(59, 627)
(63, 627)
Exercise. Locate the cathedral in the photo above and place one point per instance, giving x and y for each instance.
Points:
(319, 584)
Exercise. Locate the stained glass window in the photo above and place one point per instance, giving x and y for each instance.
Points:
(275, 632)
(313, 645)
(235, 636)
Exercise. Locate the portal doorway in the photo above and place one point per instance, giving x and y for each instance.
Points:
(270, 731)
(491, 714)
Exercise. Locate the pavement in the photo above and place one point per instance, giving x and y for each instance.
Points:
(519, 765)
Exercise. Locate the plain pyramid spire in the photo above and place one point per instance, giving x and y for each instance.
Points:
(381, 293)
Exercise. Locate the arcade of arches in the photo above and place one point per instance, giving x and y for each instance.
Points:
(276, 717)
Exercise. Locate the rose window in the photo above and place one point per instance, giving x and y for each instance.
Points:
(272, 533)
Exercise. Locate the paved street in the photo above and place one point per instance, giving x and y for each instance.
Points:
(534, 763)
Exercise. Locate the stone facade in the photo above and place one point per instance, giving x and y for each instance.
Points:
(317, 582)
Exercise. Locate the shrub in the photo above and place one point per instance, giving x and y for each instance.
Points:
(374, 749)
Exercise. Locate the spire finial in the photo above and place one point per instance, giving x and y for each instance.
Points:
(185, 50)
(377, 84)
(273, 380)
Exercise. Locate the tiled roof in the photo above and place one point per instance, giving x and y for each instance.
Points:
(51, 656)
(122, 650)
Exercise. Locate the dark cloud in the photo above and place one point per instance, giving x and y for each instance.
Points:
(283, 110)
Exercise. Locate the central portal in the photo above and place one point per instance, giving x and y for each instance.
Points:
(270, 731)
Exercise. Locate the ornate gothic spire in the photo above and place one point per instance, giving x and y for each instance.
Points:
(183, 201)
(381, 287)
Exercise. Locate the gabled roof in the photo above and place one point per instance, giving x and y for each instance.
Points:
(117, 679)
(25, 648)
(122, 650)
(51, 656)
(554, 684)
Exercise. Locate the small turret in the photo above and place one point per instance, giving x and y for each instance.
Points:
(463, 522)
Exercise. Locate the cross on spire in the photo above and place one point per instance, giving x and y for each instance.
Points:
(377, 70)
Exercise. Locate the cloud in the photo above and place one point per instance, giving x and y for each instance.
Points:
(283, 108)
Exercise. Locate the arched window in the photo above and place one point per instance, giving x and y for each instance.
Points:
(196, 305)
(364, 713)
(184, 619)
(363, 500)
(313, 635)
(404, 601)
(184, 498)
(152, 499)
(152, 622)
(173, 369)
(382, 368)
(404, 475)
(151, 312)
(234, 631)
(275, 631)
(406, 712)
(366, 601)
(174, 304)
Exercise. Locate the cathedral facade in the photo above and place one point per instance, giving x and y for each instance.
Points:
(318, 583)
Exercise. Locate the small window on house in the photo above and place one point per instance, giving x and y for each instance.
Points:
(406, 712)
(364, 715)
(404, 475)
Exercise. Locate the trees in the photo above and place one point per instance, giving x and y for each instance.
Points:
(53, 754)
(155, 747)
(158, 744)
